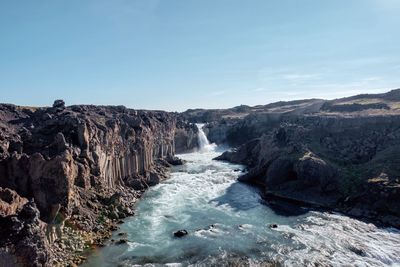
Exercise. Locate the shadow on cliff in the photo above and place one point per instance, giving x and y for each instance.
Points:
(241, 196)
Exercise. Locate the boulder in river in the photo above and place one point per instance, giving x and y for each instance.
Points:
(175, 161)
(180, 233)
(121, 241)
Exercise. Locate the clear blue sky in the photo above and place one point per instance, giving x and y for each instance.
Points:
(179, 54)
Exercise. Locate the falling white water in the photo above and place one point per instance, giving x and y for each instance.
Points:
(229, 225)
(204, 144)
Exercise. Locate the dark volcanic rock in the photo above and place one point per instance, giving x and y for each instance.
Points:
(22, 239)
(314, 171)
(185, 137)
(175, 161)
(121, 241)
(59, 104)
(82, 166)
(342, 154)
(180, 233)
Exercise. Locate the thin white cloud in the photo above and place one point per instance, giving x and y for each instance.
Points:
(298, 73)
(218, 93)
(299, 76)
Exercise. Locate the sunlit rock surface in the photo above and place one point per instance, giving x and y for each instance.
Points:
(85, 166)
(342, 154)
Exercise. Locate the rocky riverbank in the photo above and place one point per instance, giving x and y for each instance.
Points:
(68, 175)
(342, 154)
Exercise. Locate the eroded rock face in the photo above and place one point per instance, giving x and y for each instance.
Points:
(10, 202)
(314, 171)
(347, 160)
(186, 137)
(72, 160)
(22, 237)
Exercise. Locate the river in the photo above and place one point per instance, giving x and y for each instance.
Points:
(229, 225)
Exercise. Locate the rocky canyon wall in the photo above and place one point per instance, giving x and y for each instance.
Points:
(84, 165)
(342, 154)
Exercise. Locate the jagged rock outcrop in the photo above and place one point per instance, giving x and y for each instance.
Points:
(23, 241)
(185, 137)
(85, 165)
(345, 158)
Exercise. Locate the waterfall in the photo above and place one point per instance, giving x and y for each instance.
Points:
(203, 141)
(204, 144)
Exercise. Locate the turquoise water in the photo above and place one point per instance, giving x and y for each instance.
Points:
(229, 225)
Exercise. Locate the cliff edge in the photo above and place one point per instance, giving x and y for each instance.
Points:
(69, 174)
(341, 154)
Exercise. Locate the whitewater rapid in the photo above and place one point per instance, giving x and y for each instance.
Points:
(229, 225)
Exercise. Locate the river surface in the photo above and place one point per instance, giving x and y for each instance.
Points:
(229, 225)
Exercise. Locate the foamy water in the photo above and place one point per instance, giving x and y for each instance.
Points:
(204, 144)
(228, 225)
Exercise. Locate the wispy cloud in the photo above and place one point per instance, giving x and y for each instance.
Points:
(299, 76)
(218, 93)
(288, 76)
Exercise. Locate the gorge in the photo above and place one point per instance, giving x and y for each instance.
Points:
(228, 224)
(327, 175)
(69, 174)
